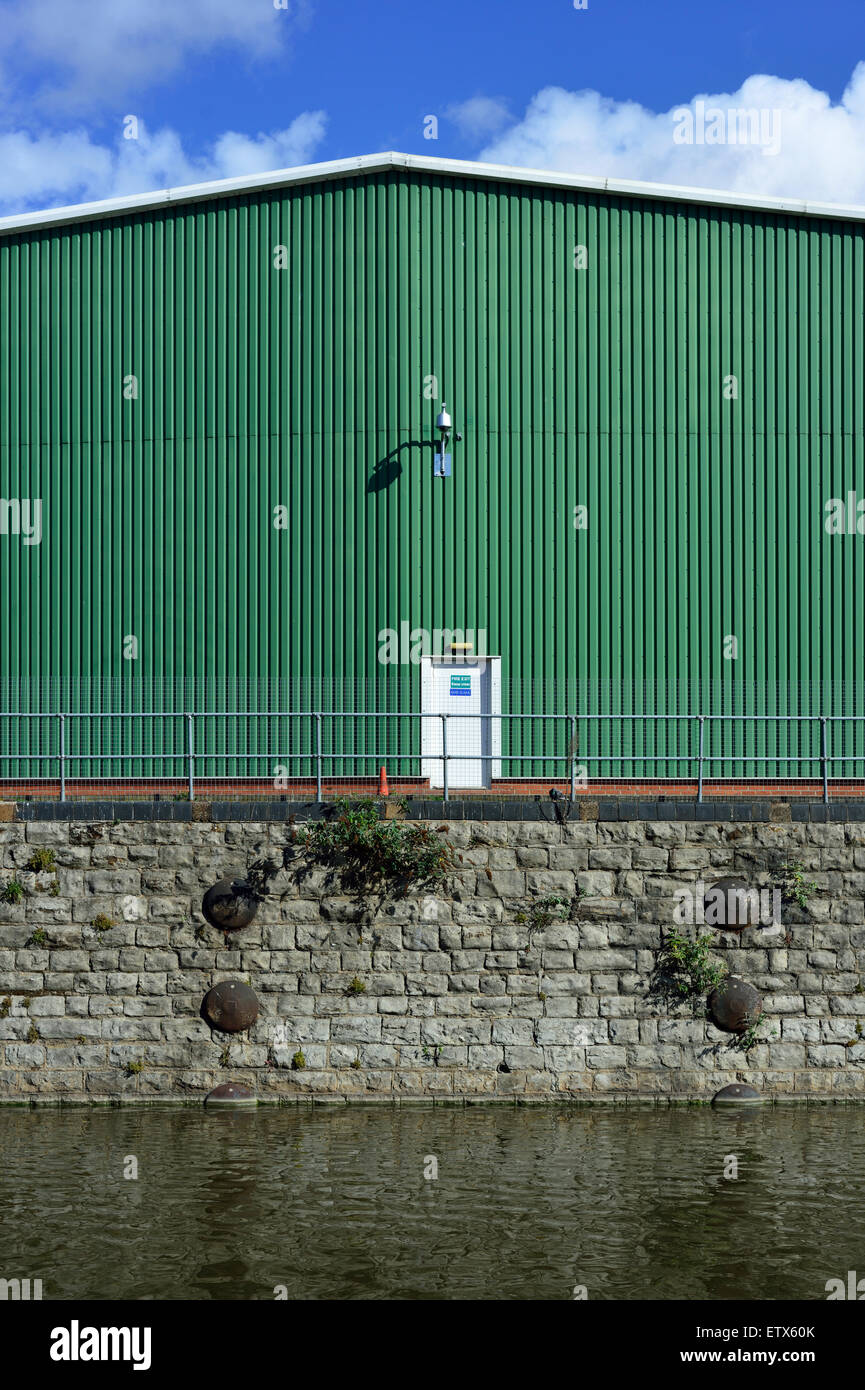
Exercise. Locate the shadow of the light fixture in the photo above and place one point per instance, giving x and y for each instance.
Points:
(389, 468)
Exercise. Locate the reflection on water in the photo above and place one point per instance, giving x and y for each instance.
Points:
(528, 1203)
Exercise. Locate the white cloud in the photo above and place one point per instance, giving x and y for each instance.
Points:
(819, 154)
(479, 117)
(88, 52)
(36, 170)
(42, 170)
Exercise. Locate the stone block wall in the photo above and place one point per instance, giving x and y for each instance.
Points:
(459, 998)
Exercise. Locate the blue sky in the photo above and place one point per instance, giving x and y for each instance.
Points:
(224, 87)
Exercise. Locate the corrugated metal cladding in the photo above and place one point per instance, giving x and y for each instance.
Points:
(307, 387)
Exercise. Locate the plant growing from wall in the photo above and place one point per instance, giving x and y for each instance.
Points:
(38, 937)
(298, 1061)
(102, 923)
(795, 886)
(13, 891)
(356, 987)
(5, 1006)
(376, 853)
(42, 861)
(133, 1068)
(32, 1033)
(751, 1035)
(542, 912)
(687, 965)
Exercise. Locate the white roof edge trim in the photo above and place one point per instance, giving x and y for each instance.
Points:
(459, 168)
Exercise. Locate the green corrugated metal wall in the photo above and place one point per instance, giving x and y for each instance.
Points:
(305, 387)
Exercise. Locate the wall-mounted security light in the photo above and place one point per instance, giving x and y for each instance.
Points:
(443, 458)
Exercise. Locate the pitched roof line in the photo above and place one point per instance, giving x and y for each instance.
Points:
(456, 168)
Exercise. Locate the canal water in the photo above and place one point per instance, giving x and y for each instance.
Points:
(343, 1203)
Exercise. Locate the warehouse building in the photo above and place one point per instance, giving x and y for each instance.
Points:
(481, 473)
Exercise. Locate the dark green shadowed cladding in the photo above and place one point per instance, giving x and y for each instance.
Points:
(599, 378)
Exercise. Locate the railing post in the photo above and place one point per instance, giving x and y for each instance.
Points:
(190, 752)
(445, 755)
(62, 719)
(318, 757)
(700, 761)
(825, 758)
(573, 759)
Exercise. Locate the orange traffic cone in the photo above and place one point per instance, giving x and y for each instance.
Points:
(382, 783)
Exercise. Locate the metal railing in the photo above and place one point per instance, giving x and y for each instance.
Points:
(307, 747)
